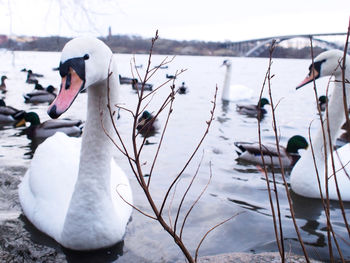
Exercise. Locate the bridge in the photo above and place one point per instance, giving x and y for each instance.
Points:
(254, 47)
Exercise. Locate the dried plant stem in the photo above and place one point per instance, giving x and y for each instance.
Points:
(281, 247)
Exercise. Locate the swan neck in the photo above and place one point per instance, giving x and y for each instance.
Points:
(336, 115)
(227, 82)
(96, 149)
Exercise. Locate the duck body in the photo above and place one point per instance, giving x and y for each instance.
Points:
(125, 80)
(40, 96)
(234, 92)
(250, 152)
(3, 84)
(7, 113)
(303, 176)
(147, 125)
(38, 130)
(183, 89)
(138, 86)
(32, 77)
(73, 195)
(253, 110)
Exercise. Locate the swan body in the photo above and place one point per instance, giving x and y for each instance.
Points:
(250, 152)
(303, 176)
(71, 189)
(233, 92)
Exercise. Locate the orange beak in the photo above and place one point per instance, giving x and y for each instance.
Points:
(71, 85)
(312, 75)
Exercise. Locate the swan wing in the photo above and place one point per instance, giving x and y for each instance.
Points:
(48, 184)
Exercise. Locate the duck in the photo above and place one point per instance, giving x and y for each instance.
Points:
(31, 76)
(250, 152)
(7, 113)
(3, 85)
(73, 190)
(147, 125)
(182, 89)
(322, 101)
(233, 92)
(170, 76)
(125, 80)
(253, 110)
(40, 96)
(303, 177)
(38, 130)
(138, 85)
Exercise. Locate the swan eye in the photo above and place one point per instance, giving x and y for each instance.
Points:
(86, 57)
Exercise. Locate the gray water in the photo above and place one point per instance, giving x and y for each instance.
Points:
(235, 188)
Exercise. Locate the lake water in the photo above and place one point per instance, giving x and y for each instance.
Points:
(235, 187)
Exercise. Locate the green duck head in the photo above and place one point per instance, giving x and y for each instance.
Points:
(263, 102)
(295, 143)
(32, 117)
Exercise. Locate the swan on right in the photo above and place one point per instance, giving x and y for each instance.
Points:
(303, 176)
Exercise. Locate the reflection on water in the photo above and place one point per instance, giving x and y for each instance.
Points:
(235, 187)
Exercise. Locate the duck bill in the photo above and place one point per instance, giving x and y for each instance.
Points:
(71, 85)
(20, 123)
(309, 78)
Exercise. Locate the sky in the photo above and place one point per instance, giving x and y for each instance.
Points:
(215, 20)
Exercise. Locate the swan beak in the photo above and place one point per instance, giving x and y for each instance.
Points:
(71, 85)
(309, 78)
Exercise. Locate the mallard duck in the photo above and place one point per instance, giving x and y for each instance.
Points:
(182, 89)
(48, 128)
(7, 113)
(74, 191)
(3, 85)
(147, 125)
(138, 86)
(233, 92)
(170, 76)
(125, 80)
(31, 76)
(40, 96)
(303, 178)
(250, 152)
(253, 110)
(322, 101)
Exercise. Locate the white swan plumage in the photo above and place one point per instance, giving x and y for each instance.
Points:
(71, 189)
(234, 92)
(303, 176)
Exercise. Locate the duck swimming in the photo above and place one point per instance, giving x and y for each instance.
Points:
(250, 152)
(73, 187)
(253, 110)
(40, 96)
(48, 128)
(7, 113)
(147, 125)
(3, 85)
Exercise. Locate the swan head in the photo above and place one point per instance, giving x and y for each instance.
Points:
(325, 64)
(226, 63)
(84, 62)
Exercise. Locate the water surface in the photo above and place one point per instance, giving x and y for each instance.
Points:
(235, 188)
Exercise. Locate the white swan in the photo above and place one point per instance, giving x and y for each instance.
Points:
(70, 189)
(233, 92)
(303, 176)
